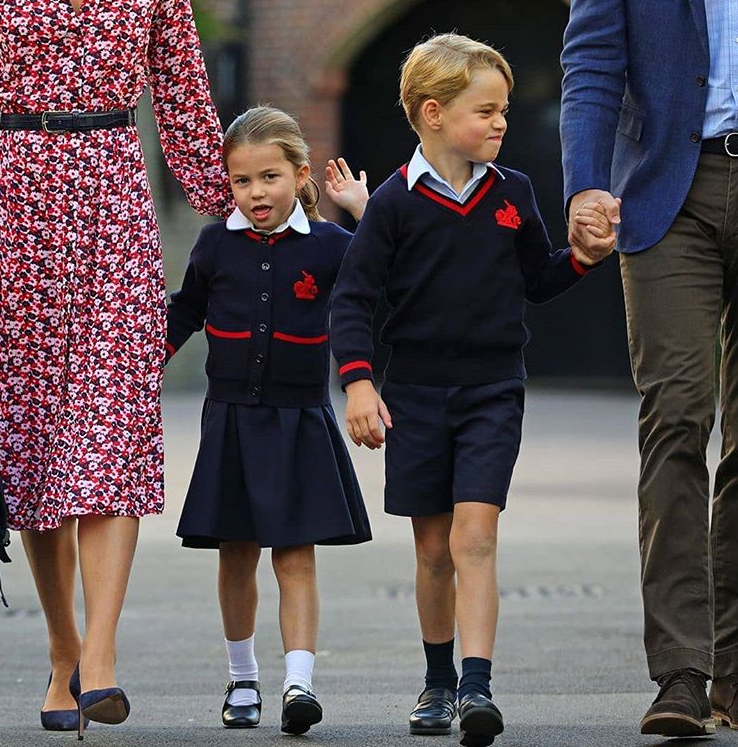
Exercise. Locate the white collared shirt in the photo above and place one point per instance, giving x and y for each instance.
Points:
(297, 221)
(420, 168)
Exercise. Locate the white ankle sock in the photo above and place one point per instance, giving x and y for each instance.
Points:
(299, 665)
(242, 666)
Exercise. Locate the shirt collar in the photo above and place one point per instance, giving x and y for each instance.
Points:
(419, 165)
(297, 221)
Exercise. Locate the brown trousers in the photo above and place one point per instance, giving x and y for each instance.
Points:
(679, 295)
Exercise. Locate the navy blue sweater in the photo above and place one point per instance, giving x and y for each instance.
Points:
(456, 278)
(264, 302)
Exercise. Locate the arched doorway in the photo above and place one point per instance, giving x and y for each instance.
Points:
(582, 334)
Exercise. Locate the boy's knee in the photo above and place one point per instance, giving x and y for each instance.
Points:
(436, 561)
(471, 544)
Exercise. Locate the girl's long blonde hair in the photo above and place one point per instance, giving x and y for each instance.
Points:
(265, 125)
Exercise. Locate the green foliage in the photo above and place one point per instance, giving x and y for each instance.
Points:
(207, 24)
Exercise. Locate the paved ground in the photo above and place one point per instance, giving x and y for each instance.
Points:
(568, 670)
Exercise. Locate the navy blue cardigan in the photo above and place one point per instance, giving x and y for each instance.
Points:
(456, 278)
(264, 302)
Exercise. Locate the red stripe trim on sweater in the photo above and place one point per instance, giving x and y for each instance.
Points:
(300, 340)
(579, 268)
(353, 366)
(457, 207)
(228, 335)
(271, 238)
(170, 349)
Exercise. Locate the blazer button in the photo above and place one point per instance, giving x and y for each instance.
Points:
(260, 358)
(695, 137)
(701, 81)
(262, 328)
(265, 296)
(255, 391)
(266, 267)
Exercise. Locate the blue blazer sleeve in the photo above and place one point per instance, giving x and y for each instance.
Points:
(594, 59)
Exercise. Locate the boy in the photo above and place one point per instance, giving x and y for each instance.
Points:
(459, 245)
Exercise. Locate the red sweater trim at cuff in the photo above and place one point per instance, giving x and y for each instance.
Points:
(353, 366)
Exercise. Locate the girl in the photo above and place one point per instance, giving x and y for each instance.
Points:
(272, 469)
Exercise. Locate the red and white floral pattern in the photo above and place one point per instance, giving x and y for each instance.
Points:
(82, 308)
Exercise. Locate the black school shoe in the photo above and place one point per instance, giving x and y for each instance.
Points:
(243, 716)
(480, 720)
(681, 709)
(434, 711)
(300, 710)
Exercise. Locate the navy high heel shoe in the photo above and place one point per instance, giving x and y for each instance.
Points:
(107, 706)
(59, 720)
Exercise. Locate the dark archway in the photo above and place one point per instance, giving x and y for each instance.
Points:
(582, 334)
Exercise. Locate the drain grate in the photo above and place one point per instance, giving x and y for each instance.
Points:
(402, 592)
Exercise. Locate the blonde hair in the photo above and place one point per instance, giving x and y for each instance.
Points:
(265, 125)
(441, 68)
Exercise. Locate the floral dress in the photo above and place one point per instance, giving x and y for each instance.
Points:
(82, 303)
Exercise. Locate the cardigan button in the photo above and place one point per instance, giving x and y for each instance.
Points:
(260, 358)
(262, 328)
(265, 297)
(255, 391)
(266, 267)
(701, 81)
(695, 137)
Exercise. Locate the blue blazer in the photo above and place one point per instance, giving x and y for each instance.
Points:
(633, 107)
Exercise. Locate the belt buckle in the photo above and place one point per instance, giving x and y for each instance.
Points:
(45, 121)
(726, 144)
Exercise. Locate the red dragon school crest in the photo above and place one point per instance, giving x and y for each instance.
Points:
(305, 289)
(508, 218)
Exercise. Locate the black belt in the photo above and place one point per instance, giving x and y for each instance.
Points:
(55, 121)
(727, 145)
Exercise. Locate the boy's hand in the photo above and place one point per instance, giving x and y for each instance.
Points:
(364, 410)
(347, 192)
(593, 218)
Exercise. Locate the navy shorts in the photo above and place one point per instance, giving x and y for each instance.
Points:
(450, 445)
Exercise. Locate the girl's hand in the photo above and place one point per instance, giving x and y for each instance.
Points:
(364, 410)
(347, 192)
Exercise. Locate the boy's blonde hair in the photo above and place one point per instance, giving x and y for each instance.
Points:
(265, 125)
(441, 68)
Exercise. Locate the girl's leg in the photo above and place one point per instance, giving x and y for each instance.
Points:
(239, 596)
(298, 596)
(237, 588)
(52, 557)
(106, 548)
(473, 544)
(298, 621)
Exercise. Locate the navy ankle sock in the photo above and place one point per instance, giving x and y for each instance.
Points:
(475, 676)
(440, 671)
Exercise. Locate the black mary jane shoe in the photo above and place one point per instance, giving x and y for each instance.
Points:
(434, 711)
(300, 710)
(242, 716)
(480, 720)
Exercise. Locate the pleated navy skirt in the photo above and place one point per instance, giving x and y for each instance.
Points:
(278, 476)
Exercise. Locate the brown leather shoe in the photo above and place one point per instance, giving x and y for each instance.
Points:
(681, 709)
(723, 700)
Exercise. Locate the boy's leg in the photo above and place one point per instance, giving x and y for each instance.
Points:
(294, 568)
(418, 464)
(238, 595)
(435, 595)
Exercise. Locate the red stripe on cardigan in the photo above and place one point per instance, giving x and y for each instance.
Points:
(228, 335)
(300, 340)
